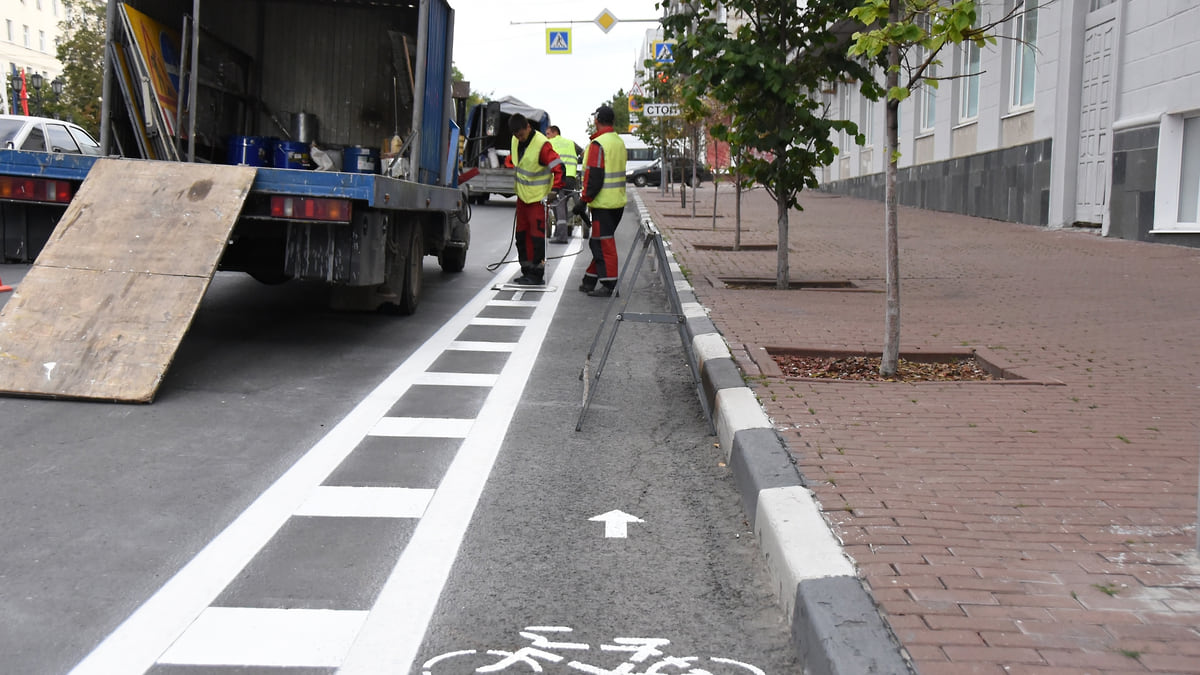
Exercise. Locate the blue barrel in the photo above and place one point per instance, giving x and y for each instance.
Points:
(292, 155)
(248, 150)
(357, 159)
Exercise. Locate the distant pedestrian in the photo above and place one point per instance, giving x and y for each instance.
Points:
(569, 152)
(539, 170)
(604, 192)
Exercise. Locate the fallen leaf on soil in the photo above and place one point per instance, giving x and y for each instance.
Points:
(866, 368)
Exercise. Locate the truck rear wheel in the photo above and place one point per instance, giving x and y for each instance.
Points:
(410, 293)
(453, 259)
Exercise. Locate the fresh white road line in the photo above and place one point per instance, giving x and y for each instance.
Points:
(486, 321)
(135, 645)
(242, 636)
(513, 303)
(366, 502)
(467, 346)
(422, 427)
(392, 635)
(457, 379)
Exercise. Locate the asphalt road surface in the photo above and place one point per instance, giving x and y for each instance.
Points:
(319, 492)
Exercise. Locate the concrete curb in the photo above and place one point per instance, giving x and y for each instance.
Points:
(835, 622)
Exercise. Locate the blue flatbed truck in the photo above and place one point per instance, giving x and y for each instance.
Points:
(361, 72)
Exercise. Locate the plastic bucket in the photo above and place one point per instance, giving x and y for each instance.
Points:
(292, 155)
(357, 159)
(248, 150)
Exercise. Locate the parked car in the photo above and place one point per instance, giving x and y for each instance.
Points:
(681, 170)
(42, 134)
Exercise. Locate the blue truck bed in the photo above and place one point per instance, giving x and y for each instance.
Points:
(376, 190)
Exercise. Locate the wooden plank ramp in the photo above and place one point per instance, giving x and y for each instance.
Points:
(106, 304)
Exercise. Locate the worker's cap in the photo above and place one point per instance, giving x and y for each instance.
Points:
(604, 115)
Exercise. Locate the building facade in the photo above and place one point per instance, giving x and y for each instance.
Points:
(1084, 113)
(28, 41)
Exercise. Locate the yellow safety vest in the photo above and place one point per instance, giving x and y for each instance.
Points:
(534, 181)
(566, 152)
(612, 193)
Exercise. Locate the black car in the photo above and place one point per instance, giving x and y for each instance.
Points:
(681, 171)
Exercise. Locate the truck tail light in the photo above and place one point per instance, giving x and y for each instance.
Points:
(311, 208)
(35, 189)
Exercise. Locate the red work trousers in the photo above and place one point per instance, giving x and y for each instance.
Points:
(604, 248)
(531, 238)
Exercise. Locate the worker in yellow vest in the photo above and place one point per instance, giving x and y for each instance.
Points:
(539, 170)
(569, 152)
(604, 192)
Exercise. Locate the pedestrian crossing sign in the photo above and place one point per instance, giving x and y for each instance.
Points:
(558, 40)
(663, 52)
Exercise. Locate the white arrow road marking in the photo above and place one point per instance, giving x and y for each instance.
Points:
(616, 523)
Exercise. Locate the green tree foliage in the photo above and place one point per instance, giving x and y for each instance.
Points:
(620, 105)
(766, 76)
(911, 34)
(81, 52)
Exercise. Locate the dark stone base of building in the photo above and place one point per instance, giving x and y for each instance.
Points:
(1012, 184)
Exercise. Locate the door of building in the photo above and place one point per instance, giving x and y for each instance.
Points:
(1094, 176)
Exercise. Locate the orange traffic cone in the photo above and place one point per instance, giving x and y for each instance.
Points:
(3, 288)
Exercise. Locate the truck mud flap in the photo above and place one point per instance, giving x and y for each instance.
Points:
(106, 304)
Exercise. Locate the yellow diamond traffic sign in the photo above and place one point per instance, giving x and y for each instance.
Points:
(606, 20)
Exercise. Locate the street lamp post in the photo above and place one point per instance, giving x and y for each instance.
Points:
(56, 86)
(35, 82)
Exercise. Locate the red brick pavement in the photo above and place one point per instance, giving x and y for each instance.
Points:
(1002, 528)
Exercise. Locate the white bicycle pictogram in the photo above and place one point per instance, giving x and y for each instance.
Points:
(643, 656)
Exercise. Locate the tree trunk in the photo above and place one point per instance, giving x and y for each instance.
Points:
(737, 182)
(716, 184)
(891, 325)
(781, 267)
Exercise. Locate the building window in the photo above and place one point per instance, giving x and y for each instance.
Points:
(927, 96)
(26, 31)
(1189, 172)
(1097, 4)
(1024, 71)
(867, 127)
(8, 27)
(968, 104)
(844, 140)
(927, 104)
(42, 40)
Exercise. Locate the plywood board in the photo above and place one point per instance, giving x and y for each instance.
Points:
(104, 308)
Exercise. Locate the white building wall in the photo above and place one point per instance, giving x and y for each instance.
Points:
(1161, 71)
(41, 19)
(1159, 85)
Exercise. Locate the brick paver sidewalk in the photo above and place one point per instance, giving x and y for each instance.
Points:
(1002, 528)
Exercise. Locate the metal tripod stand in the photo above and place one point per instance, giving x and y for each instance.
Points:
(649, 239)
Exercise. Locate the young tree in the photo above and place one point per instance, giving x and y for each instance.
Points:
(913, 33)
(767, 74)
(659, 132)
(81, 51)
(620, 105)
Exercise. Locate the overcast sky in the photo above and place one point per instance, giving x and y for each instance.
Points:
(502, 59)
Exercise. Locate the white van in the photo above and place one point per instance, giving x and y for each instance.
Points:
(637, 153)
